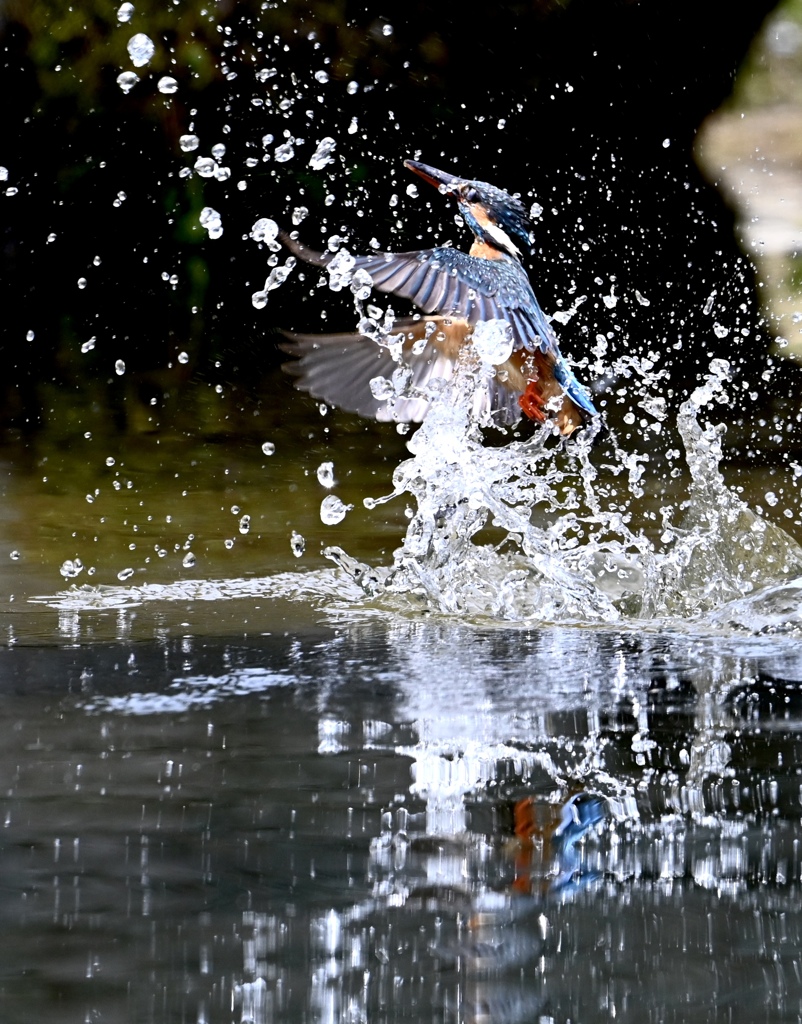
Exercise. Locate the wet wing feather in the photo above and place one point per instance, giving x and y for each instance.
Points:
(452, 282)
(338, 369)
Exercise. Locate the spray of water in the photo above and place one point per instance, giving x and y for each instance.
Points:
(565, 553)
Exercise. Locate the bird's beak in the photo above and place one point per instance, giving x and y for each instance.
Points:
(432, 175)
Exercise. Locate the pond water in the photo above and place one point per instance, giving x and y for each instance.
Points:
(520, 744)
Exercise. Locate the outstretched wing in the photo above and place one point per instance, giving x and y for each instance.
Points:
(458, 285)
(338, 368)
(453, 283)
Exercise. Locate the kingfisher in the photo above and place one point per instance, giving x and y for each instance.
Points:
(457, 292)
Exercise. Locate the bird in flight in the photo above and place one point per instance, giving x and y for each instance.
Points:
(457, 293)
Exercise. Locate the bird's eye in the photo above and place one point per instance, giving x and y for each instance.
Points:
(471, 195)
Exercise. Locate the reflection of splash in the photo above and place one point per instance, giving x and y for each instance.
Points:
(191, 693)
(450, 913)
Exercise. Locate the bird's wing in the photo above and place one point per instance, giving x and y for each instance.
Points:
(453, 283)
(338, 368)
(458, 285)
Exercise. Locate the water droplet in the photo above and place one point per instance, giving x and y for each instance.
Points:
(284, 152)
(188, 143)
(352, 88)
(205, 166)
(82, 282)
(120, 198)
(666, 143)
(183, 357)
(140, 49)
(297, 544)
(119, 367)
(325, 474)
(381, 388)
(125, 574)
(353, 127)
(611, 300)
(30, 336)
(188, 560)
(277, 277)
(322, 77)
(88, 345)
(387, 30)
(71, 568)
(167, 85)
(642, 299)
(245, 524)
(322, 154)
(264, 230)
(3, 174)
(259, 300)
(412, 191)
(333, 510)
(493, 341)
(218, 150)
(720, 331)
(125, 12)
(127, 80)
(268, 448)
(210, 219)
(264, 73)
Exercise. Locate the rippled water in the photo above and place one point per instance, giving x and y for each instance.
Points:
(322, 826)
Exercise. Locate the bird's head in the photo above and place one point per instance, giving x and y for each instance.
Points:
(494, 216)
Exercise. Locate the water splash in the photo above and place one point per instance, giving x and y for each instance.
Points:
(566, 553)
(532, 532)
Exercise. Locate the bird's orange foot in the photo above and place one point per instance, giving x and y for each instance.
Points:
(531, 402)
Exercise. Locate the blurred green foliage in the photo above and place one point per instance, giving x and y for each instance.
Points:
(772, 71)
(76, 47)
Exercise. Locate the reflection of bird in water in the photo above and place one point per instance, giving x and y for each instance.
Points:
(463, 290)
(557, 832)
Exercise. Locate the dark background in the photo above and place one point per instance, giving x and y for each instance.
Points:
(588, 107)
